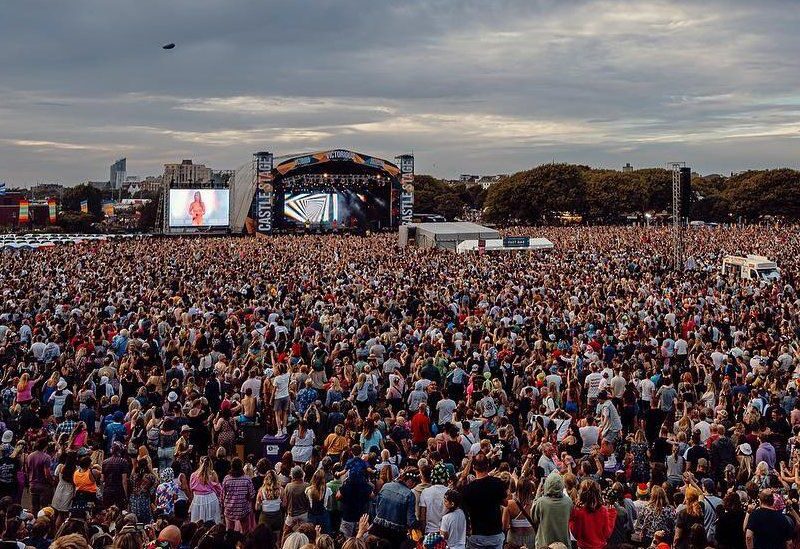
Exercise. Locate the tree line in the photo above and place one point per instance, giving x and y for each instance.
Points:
(542, 194)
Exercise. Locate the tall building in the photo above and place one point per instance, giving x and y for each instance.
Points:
(186, 173)
(117, 174)
(627, 167)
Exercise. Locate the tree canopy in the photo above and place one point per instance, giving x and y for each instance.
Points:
(599, 195)
(434, 196)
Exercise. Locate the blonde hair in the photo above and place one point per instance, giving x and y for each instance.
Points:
(205, 472)
(658, 498)
(270, 486)
(23, 382)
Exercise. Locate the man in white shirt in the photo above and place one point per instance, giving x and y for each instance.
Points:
(431, 500)
(703, 426)
(646, 390)
(592, 383)
(446, 407)
(618, 384)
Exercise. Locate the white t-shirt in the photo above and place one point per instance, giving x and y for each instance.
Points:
(432, 499)
(647, 389)
(717, 357)
(705, 429)
(593, 384)
(589, 434)
(446, 407)
(455, 524)
(281, 383)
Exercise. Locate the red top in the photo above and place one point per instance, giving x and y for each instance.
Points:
(420, 428)
(592, 529)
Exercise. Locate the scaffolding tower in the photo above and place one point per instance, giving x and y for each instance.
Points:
(677, 221)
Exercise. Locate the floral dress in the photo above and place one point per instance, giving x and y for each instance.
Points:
(641, 466)
(226, 436)
(167, 492)
(143, 488)
(651, 521)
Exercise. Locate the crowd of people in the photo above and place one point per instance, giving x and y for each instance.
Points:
(587, 397)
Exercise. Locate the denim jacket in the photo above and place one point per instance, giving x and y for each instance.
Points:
(395, 507)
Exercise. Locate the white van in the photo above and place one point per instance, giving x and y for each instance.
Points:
(751, 267)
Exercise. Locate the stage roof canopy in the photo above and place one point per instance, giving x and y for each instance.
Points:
(317, 159)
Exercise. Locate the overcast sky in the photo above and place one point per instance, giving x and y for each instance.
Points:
(483, 86)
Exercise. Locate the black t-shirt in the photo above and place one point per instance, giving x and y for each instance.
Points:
(695, 453)
(483, 499)
(660, 450)
(770, 528)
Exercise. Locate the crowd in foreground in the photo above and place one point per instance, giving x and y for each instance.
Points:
(588, 397)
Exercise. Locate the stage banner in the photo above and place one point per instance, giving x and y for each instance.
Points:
(264, 192)
(51, 209)
(407, 183)
(23, 211)
(336, 155)
(85, 206)
(108, 208)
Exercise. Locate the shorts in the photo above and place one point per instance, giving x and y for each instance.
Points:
(303, 517)
(281, 404)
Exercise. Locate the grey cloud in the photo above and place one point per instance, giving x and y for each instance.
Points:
(470, 85)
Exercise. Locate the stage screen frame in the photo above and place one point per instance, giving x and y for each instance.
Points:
(217, 208)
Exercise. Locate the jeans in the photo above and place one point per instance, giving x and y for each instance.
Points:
(323, 520)
(486, 542)
(349, 529)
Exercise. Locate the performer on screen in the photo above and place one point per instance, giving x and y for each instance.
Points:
(197, 210)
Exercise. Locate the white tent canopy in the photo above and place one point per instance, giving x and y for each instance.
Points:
(444, 235)
(495, 245)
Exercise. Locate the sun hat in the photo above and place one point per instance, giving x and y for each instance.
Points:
(745, 449)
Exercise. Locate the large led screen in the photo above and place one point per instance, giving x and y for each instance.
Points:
(311, 207)
(198, 207)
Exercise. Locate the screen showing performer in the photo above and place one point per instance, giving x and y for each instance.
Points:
(198, 207)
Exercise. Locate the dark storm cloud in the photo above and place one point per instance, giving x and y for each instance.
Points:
(470, 86)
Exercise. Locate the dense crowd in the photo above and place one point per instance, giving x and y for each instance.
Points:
(586, 397)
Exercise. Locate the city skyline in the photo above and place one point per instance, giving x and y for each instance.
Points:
(471, 87)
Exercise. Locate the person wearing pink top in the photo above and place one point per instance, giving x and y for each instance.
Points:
(207, 493)
(25, 388)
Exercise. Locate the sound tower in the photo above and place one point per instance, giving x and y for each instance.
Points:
(686, 193)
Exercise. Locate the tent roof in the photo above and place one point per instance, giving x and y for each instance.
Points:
(455, 227)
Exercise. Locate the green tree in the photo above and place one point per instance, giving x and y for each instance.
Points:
(533, 195)
(73, 196)
(432, 195)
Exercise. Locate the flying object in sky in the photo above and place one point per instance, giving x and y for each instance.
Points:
(168, 46)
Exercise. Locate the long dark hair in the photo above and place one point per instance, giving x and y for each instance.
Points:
(70, 462)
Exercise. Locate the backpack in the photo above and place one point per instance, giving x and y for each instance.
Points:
(318, 362)
(153, 436)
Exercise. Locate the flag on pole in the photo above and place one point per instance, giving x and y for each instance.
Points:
(85, 206)
(23, 211)
(51, 209)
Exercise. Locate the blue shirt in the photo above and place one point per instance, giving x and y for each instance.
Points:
(114, 431)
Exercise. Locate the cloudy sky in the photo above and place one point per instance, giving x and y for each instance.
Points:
(471, 86)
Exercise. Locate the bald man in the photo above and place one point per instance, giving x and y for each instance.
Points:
(172, 535)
